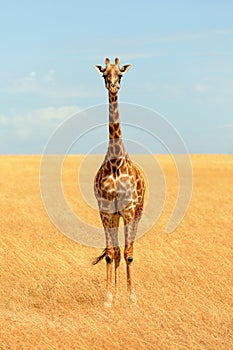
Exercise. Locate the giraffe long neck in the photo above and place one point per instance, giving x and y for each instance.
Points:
(114, 118)
(116, 148)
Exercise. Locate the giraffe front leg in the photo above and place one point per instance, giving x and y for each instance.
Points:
(109, 261)
(108, 300)
(128, 254)
(130, 230)
(117, 258)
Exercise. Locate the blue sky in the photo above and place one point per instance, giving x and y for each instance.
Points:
(182, 67)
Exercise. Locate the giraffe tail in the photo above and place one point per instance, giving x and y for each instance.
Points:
(99, 257)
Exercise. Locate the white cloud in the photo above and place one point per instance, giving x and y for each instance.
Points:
(39, 122)
(213, 34)
(50, 76)
(32, 82)
(200, 88)
(3, 120)
(122, 56)
(215, 90)
(225, 126)
(48, 85)
(163, 89)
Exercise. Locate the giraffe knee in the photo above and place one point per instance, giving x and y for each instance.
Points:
(129, 259)
(128, 254)
(108, 259)
(109, 256)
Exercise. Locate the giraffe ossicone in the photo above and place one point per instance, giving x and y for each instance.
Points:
(119, 187)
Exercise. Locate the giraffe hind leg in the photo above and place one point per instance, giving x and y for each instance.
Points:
(111, 252)
(117, 258)
(130, 230)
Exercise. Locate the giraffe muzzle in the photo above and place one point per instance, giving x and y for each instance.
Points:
(114, 87)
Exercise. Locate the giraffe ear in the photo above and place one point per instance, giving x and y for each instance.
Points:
(124, 69)
(99, 69)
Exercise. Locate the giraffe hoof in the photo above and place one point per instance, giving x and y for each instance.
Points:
(129, 259)
(133, 298)
(107, 304)
(117, 300)
(108, 301)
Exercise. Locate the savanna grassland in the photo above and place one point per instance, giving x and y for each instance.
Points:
(51, 296)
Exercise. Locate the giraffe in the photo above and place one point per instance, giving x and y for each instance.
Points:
(119, 189)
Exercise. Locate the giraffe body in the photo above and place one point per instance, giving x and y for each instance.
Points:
(116, 190)
(119, 188)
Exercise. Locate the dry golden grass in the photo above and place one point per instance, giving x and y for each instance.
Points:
(51, 296)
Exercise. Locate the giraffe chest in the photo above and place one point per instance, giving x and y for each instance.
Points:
(115, 191)
(116, 186)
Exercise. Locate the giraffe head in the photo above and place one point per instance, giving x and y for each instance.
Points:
(112, 74)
